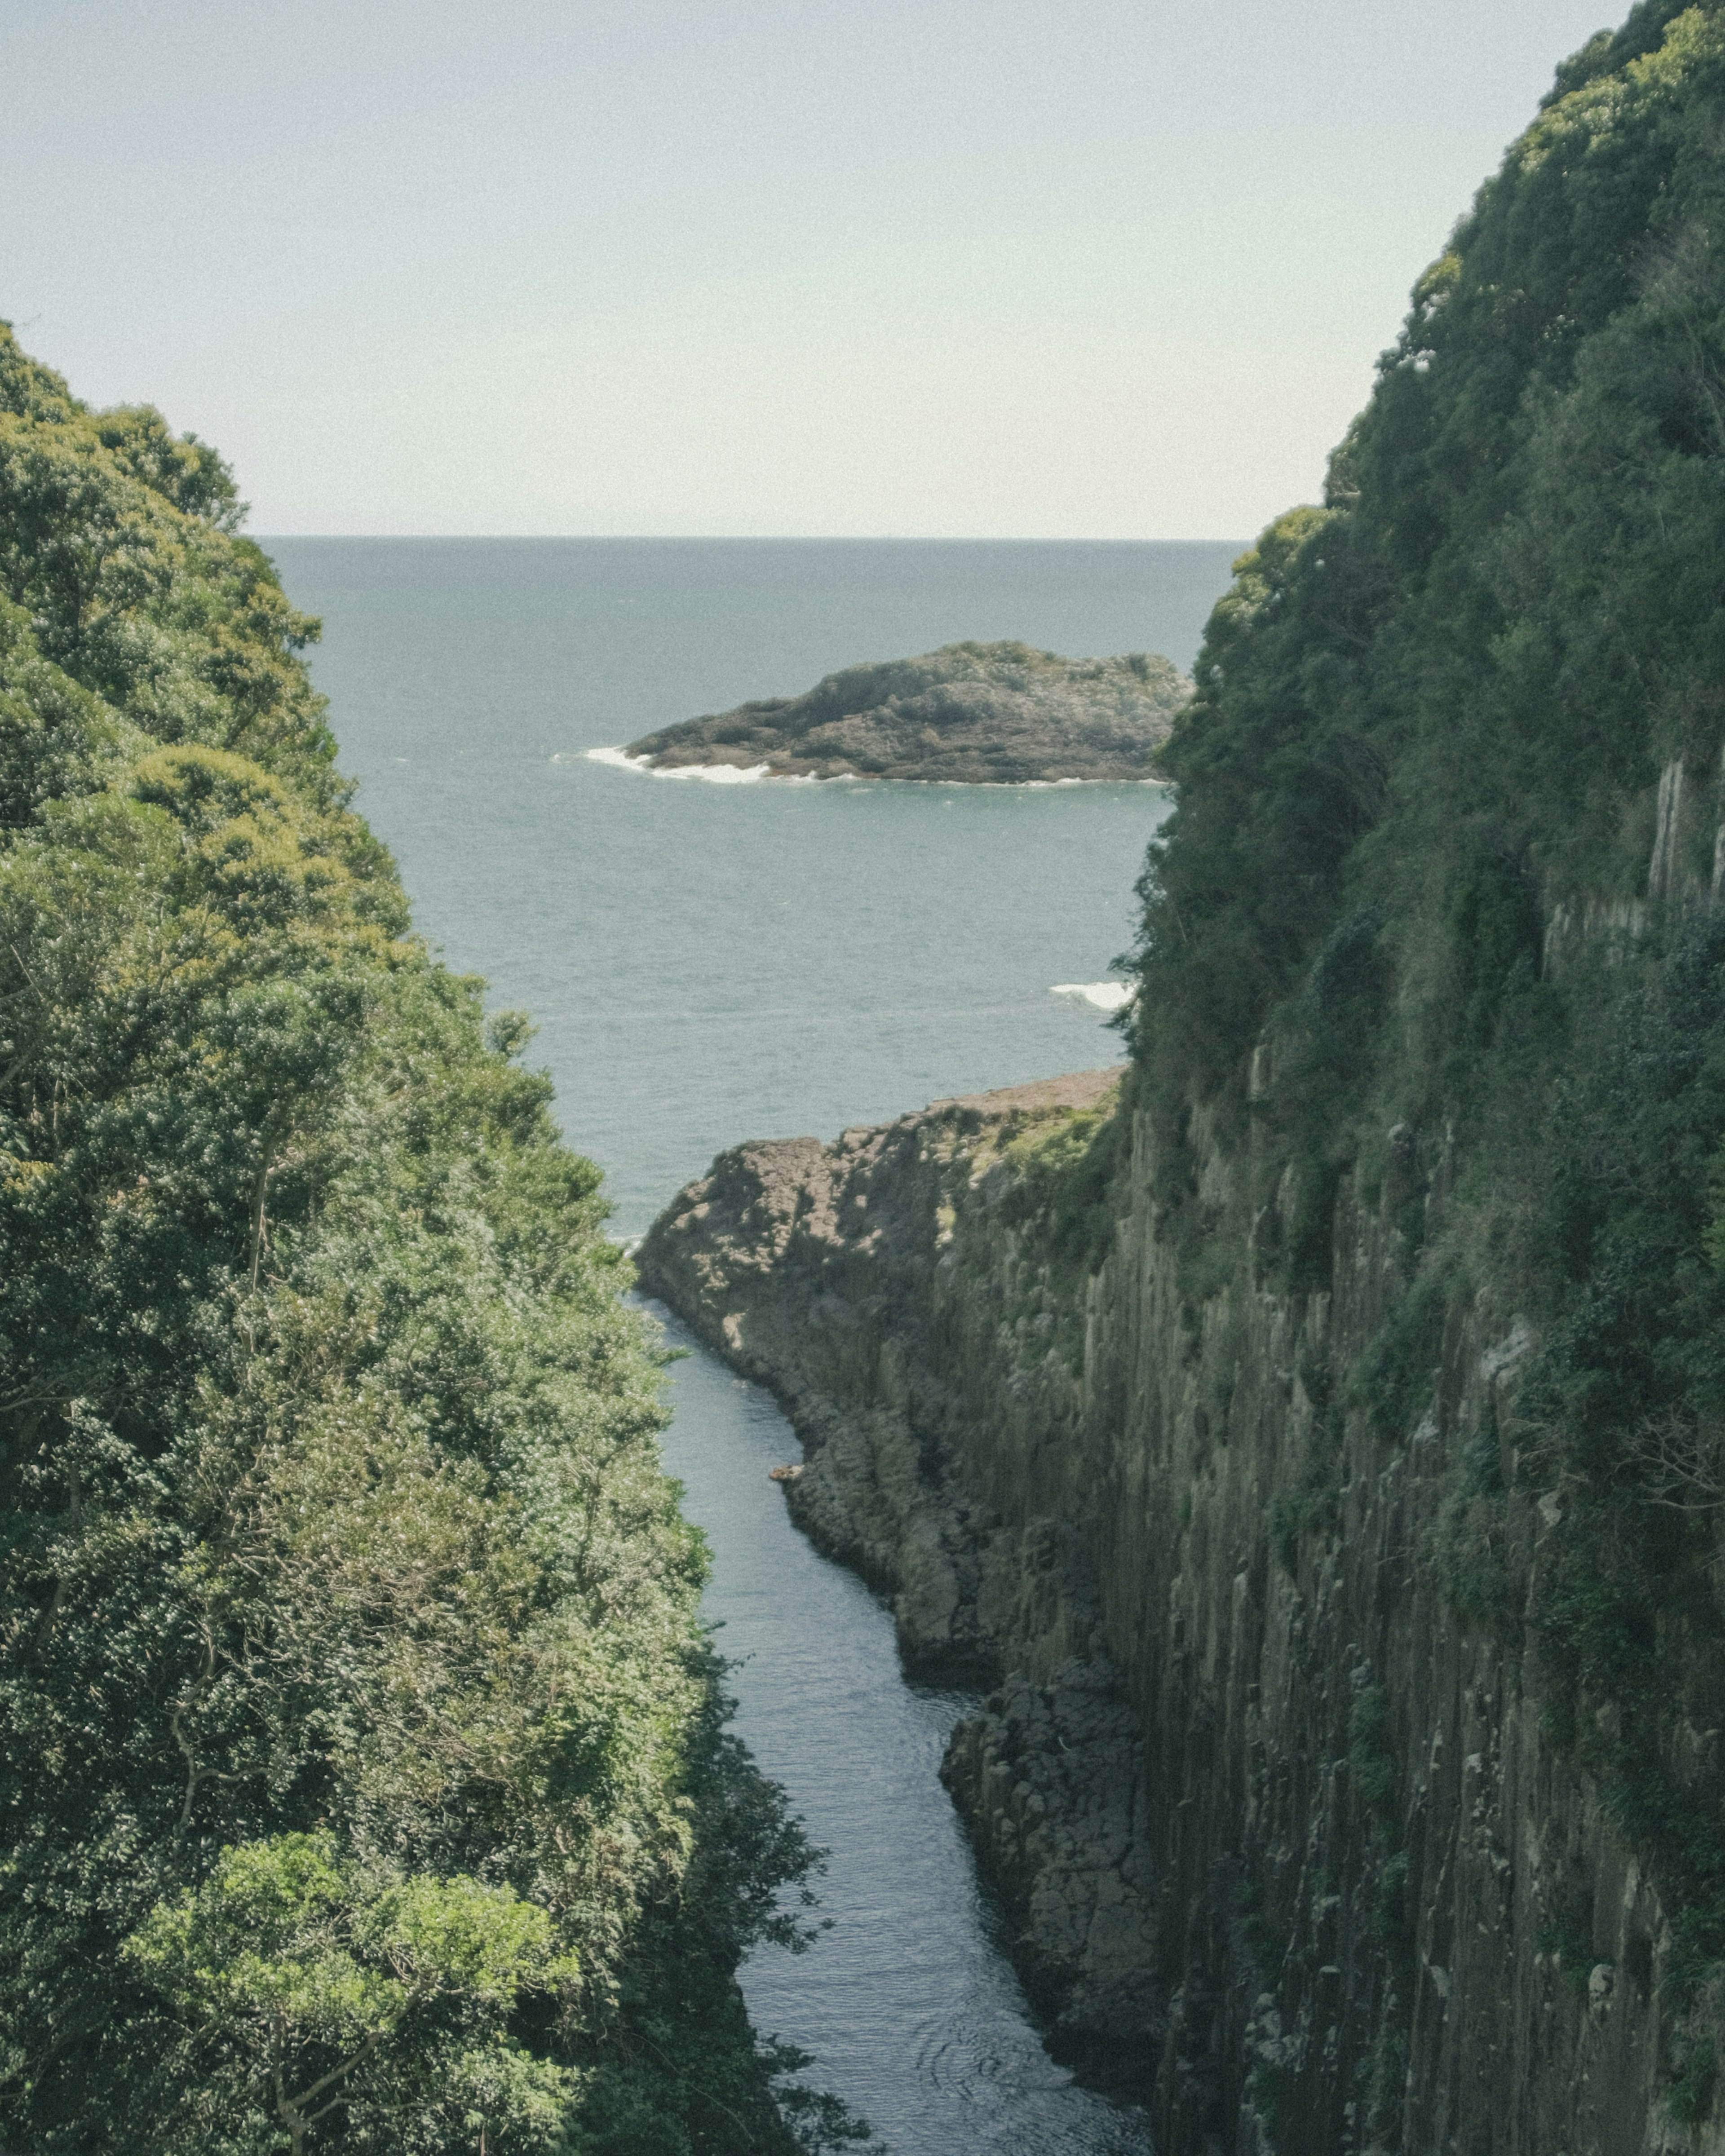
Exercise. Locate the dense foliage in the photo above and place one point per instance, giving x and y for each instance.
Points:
(361, 1756)
(1436, 913)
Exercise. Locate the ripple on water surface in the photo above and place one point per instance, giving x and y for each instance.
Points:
(912, 2012)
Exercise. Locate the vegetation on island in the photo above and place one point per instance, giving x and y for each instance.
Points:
(1439, 907)
(978, 714)
(362, 1756)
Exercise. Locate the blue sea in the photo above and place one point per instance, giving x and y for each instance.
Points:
(712, 962)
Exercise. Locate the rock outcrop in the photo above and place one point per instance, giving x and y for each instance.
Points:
(996, 713)
(815, 1272)
(1277, 1829)
(1051, 1778)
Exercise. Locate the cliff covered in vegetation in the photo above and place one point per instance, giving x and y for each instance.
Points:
(359, 1751)
(984, 714)
(1355, 1391)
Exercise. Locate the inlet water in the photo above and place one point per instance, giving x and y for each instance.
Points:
(713, 962)
(909, 2004)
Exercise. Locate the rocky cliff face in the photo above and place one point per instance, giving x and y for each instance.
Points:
(1283, 1837)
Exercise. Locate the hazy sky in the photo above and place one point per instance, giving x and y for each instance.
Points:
(973, 268)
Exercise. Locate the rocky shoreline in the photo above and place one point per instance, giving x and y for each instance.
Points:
(976, 714)
(761, 1259)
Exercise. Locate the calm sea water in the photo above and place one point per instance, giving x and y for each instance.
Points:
(710, 962)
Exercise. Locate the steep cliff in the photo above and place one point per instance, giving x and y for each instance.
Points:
(1282, 1835)
(1350, 1403)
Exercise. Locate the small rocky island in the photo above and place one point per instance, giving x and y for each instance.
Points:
(986, 713)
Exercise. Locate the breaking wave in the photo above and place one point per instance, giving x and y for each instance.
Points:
(716, 774)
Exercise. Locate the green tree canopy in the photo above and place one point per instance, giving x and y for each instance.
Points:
(1438, 913)
(361, 1753)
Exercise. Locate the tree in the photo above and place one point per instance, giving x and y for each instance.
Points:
(306, 1980)
(360, 1748)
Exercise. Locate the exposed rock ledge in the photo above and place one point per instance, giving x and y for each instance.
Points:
(820, 1271)
(1000, 713)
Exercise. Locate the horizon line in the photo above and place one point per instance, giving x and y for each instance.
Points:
(751, 538)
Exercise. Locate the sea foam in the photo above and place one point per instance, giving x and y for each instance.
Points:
(716, 774)
(730, 774)
(1105, 995)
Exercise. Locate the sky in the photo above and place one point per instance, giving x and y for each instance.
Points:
(990, 268)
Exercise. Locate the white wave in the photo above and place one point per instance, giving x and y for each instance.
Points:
(1105, 995)
(730, 774)
(716, 774)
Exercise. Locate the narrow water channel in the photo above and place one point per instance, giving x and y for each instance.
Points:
(908, 2003)
(712, 964)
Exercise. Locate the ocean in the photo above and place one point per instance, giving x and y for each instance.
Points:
(713, 962)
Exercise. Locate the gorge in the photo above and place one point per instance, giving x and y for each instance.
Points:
(1307, 1437)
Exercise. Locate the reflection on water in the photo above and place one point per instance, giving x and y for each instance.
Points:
(908, 2004)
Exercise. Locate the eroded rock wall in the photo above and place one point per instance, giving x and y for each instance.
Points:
(1312, 1869)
